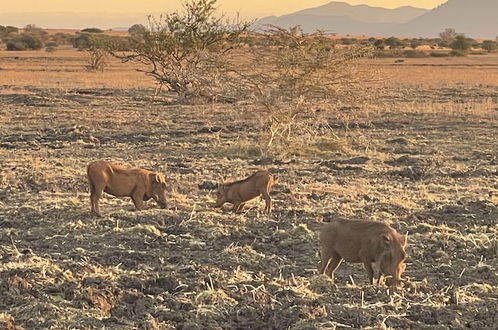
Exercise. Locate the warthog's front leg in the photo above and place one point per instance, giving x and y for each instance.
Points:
(370, 271)
(329, 263)
(138, 200)
(267, 199)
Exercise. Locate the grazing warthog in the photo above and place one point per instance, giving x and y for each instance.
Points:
(139, 184)
(368, 242)
(239, 192)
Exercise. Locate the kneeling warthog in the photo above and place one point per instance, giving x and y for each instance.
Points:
(240, 192)
(139, 184)
(368, 242)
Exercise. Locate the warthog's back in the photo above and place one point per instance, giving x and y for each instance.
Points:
(349, 237)
(253, 185)
(118, 180)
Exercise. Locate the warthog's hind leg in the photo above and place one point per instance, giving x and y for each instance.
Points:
(95, 194)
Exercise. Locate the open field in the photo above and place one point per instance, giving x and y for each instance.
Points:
(424, 157)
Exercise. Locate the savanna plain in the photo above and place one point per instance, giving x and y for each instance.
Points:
(422, 155)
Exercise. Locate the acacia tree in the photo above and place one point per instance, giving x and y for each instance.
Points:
(447, 36)
(489, 45)
(461, 44)
(181, 50)
(293, 77)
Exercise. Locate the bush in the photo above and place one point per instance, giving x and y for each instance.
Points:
(5, 31)
(489, 45)
(414, 54)
(461, 45)
(137, 30)
(62, 38)
(184, 50)
(92, 30)
(25, 41)
(439, 54)
(86, 40)
(457, 53)
(293, 76)
(51, 46)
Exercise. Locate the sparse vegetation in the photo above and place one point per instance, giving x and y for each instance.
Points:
(421, 155)
(489, 45)
(92, 30)
(461, 45)
(183, 50)
(24, 41)
(295, 79)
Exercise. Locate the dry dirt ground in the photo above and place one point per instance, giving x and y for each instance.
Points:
(433, 174)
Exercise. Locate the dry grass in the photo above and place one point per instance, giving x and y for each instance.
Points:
(424, 159)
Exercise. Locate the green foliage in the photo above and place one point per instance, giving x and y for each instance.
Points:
(62, 38)
(379, 44)
(414, 43)
(349, 41)
(137, 30)
(457, 53)
(393, 42)
(414, 53)
(489, 45)
(439, 54)
(85, 41)
(92, 30)
(181, 49)
(6, 31)
(461, 45)
(51, 46)
(24, 41)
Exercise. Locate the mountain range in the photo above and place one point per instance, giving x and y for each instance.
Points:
(474, 18)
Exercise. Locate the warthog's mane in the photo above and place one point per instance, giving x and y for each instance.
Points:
(229, 184)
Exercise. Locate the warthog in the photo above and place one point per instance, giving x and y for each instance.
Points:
(139, 184)
(240, 192)
(368, 242)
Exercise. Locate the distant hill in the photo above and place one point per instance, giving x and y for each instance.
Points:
(475, 18)
(342, 18)
(365, 13)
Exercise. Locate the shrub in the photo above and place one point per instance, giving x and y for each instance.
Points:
(92, 30)
(439, 54)
(293, 76)
(50, 46)
(448, 35)
(414, 54)
(137, 30)
(461, 45)
(5, 31)
(24, 41)
(184, 50)
(489, 45)
(457, 53)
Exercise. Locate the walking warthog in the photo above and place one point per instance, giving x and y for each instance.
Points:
(363, 241)
(240, 192)
(139, 184)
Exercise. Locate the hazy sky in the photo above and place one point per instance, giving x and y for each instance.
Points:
(247, 8)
